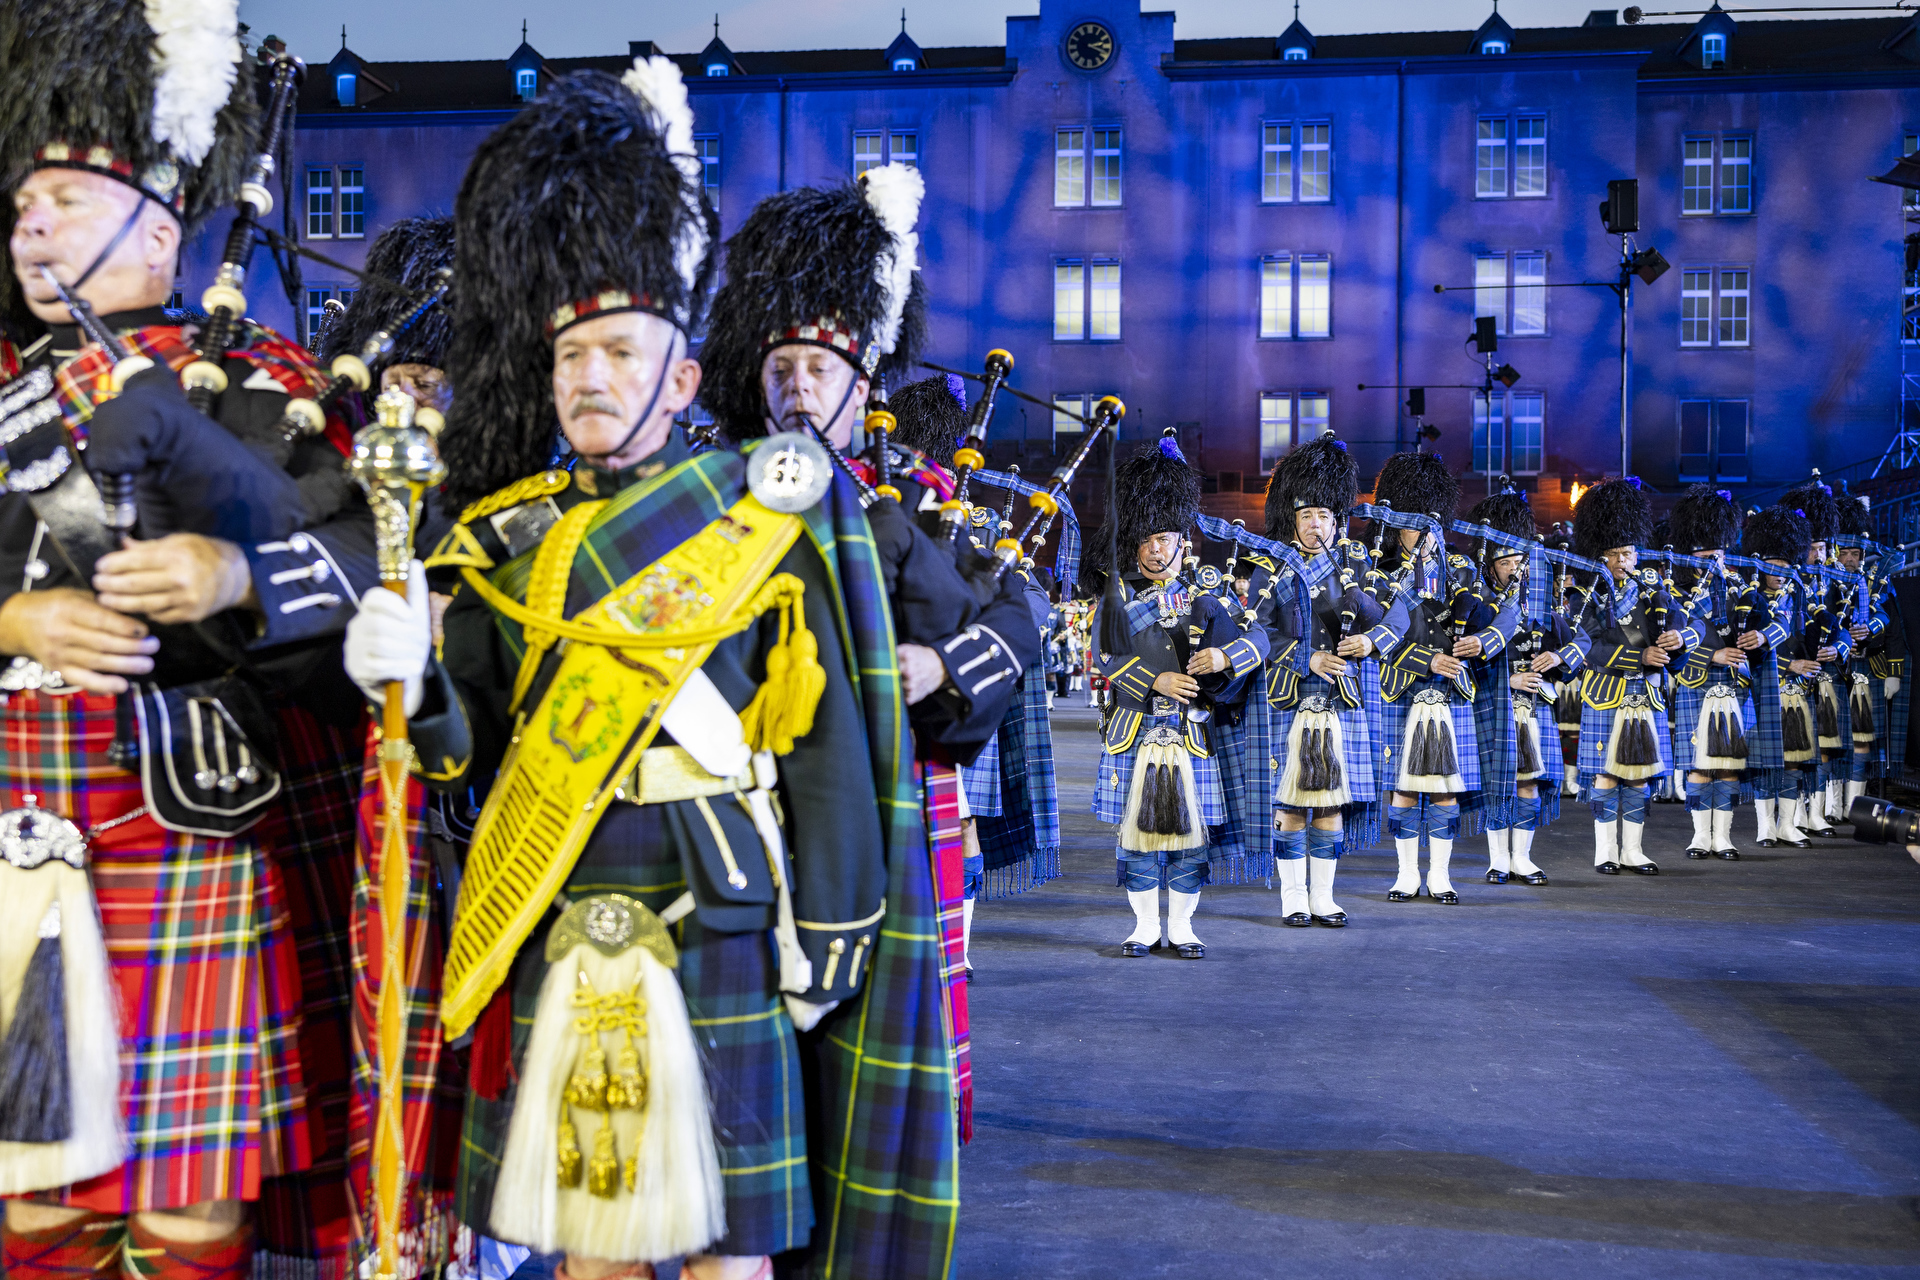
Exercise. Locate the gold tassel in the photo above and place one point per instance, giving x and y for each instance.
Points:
(603, 1171)
(569, 1166)
(627, 1087)
(784, 707)
(587, 1087)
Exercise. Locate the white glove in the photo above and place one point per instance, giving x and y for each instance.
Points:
(1891, 687)
(391, 639)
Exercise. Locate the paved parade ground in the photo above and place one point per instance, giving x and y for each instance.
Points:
(1712, 1072)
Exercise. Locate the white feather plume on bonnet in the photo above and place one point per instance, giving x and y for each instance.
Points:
(656, 82)
(894, 191)
(196, 54)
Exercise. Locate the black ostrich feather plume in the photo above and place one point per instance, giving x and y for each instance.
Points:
(800, 255)
(1614, 513)
(575, 195)
(407, 253)
(1319, 473)
(1705, 519)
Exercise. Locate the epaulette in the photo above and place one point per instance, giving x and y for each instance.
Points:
(542, 485)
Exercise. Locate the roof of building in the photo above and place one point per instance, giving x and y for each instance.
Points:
(1822, 46)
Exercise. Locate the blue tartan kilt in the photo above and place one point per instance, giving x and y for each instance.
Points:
(1115, 778)
(1876, 753)
(1596, 730)
(981, 781)
(1546, 736)
(1684, 710)
(1393, 732)
(1358, 764)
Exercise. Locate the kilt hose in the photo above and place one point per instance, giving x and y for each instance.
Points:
(747, 1046)
(941, 787)
(198, 935)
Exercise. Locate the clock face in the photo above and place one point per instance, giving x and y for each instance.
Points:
(1089, 46)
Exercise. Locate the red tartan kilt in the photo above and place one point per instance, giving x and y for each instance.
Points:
(209, 983)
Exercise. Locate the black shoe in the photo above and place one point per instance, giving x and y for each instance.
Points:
(1698, 853)
(1608, 868)
(1394, 895)
(1825, 833)
(1647, 869)
(1447, 899)
(1538, 877)
(1769, 843)
(1727, 855)
(1134, 950)
(969, 973)
(1800, 844)
(1298, 920)
(1497, 877)
(1192, 950)
(1338, 920)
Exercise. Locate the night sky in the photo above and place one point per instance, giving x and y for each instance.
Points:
(453, 29)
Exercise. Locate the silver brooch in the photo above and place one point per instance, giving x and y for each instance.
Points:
(789, 472)
(32, 837)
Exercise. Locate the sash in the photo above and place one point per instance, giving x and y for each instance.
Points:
(599, 712)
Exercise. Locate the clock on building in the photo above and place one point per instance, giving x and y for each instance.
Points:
(1089, 46)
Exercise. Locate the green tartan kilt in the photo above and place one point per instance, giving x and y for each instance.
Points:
(746, 1041)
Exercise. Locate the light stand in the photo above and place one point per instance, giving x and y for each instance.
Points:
(1904, 449)
(1620, 214)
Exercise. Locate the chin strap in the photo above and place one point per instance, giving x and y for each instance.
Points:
(646, 415)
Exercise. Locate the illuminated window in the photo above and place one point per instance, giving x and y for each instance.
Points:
(904, 148)
(1529, 293)
(1316, 162)
(1064, 407)
(1069, 301)
(1529, 156)
(1276, 428)
(1733, 308)
(319, 204)
(1276, 297)
(867, 152)
(1696, 175)
(1069, 167)
(1713, 50)
(1276, 163)
(1493, 46)
(1490, 159)
(1509, 433)
(708, 149)
(1104, 298)
(1315, 309)
(353, 203)
(1490, 289)
(1696, 308)
(526, 83)
(1106, 168)
(1736, 175)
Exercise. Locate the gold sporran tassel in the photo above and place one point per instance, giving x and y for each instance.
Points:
(627, 1087)
(569, 1154)
(603, 1171)
(587, 1086)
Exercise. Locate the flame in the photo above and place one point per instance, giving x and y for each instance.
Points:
(1576, 493)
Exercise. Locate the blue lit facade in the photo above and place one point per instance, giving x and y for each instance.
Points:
(1231, 235)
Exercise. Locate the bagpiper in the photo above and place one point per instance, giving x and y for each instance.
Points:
(1875, 689)
(699, 811)
(1166, 647)
(181, 762)
(1323, 681)
(1429, 758)
(1768, 619)
(1520, 763)
(1829, 642)
(1712, 705)
(1623, 721)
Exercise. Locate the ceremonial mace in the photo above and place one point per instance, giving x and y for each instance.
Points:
(394, 461)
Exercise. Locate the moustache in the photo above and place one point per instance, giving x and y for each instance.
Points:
(591, 402)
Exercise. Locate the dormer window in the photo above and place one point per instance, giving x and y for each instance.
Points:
(904, 64)
(526, 83)
(1295, 54)
(716, 68)
(1493, 46)
(1713, 50)
(343, 86)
